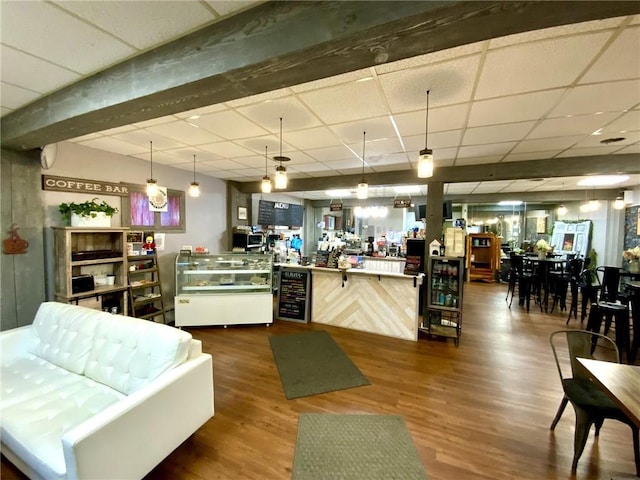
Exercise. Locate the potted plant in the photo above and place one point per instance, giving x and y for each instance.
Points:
(92, 213)
(632, 255)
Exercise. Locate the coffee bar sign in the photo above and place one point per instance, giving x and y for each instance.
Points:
(82, 185)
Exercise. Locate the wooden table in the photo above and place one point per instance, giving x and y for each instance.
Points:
(620, 382)
(634, 288)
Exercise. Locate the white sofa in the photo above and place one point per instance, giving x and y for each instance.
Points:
(89, 395)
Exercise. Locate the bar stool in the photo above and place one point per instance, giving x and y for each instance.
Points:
(620, 314)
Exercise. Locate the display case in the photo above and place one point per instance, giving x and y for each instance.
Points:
(223, 289)
(444, 297)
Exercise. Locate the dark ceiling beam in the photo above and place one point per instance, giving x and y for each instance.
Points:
(560, 167)
(275, 45)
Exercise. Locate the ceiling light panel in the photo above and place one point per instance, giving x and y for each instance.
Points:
(537, 66)
(601, 180)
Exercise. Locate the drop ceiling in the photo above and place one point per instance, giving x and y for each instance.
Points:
(547, 94)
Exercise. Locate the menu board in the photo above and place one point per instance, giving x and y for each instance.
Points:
(280, 213)
(294, 295)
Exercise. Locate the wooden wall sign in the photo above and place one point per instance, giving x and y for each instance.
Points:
(82, 185)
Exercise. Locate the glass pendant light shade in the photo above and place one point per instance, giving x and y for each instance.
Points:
(619, 203)
(363, 191)
(194, 188)
(266, 181)
(562, 210)
(425, 163)
(152, 184)
(425, 160)
(281, 177)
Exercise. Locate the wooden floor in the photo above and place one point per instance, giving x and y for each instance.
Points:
(478, 411)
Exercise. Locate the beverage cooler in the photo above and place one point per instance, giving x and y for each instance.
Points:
(444, 297)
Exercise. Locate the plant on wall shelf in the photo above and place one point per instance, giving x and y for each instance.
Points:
(90, 208)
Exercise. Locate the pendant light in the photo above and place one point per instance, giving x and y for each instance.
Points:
(619, 204)
(363, 187)
(266, 181)
(425, 160)
(152, 183)
(562, 210)
(281, 172)
(194, 188)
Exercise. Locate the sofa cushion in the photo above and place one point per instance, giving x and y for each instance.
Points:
(51, 402)
(129, 353)
(63, 334)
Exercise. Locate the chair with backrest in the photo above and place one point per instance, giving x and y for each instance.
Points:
(589, 287)
(575, 267)
(521, 278)
(591, 405)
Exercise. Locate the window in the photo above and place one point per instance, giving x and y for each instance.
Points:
(136, 213)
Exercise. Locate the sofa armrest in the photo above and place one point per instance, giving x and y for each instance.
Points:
(131, 437)
(14, 343)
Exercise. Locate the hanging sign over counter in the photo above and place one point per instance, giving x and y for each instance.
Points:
(335, 207)
(294, 294)
(82, 185)
(280, 213)
(401, 203)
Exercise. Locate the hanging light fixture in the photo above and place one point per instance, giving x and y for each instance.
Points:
(281, 172)
(619, 204)
(152, 183)
(194, 188)
(562, 210)
(266, 181)
(425, 160)
(363, 187)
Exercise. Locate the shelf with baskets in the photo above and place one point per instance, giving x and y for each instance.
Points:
(145, 288)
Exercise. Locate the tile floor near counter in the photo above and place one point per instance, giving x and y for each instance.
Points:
(478, 411)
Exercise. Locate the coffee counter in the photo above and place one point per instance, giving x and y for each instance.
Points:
(384, 303)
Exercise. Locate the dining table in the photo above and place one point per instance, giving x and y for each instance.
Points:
(619, 381)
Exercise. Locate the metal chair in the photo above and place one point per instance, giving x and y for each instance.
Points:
(592, 406)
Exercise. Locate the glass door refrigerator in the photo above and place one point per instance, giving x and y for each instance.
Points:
(445, 284)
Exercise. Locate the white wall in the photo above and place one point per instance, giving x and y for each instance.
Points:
(206, 220)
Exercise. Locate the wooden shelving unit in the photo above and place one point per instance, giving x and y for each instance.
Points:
(145, 289)
(85, 251)
(483, 256)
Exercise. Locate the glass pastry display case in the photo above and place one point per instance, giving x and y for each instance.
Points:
(223, 289)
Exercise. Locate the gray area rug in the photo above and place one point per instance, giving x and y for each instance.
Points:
(355, 447)
(312, 362)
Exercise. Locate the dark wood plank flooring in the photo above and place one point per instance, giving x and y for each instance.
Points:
(478, 411)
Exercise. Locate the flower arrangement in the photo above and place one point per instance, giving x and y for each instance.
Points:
(632, 253)
(543, 246)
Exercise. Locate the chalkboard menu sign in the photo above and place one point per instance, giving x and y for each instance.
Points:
(294, 295)
(280, 213)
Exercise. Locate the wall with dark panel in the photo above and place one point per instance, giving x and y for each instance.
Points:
(631, 237)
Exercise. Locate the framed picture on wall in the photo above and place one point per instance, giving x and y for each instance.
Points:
(242, 213)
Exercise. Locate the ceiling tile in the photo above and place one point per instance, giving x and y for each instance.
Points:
(141, 138)
(71, 35)
(227, 149)
(294, 114)
(12, 96)
(620, 60)
(437, 141)
(449, 83)
(490, 149)
(376, 128)
(627, 122)
(271, 141)
(346, 102)
(378, 148)
(546, 144)
(440, 119)
(497, 133)
(461, 188)
(348, 163)
(514, 108)
(310, 167)
(231, 6)
(225, 164)
(537, 66)
(317, 137)
(580, 152)
(184, 132)
(155, 121)
(229, 124)
(567, 126)
(328, 154)
(33, 73)
(595, 141)
(160, 158)
(607, 97)
(141, 24)
(114, 145)
(635, 148)
(198, 112)
(186, 154)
